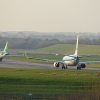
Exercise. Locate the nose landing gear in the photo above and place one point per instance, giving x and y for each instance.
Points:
(78, 67)
(64, 66)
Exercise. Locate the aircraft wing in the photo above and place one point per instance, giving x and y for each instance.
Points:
(47, 60)
(90, 62)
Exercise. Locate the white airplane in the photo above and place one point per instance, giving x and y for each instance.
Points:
(71, 60)
(4, 52)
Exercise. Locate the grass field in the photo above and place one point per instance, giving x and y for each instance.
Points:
(70, 49)
(47, 83)
(27, 84)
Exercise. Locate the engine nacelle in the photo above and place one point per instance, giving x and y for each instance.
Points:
(82, 65)
(56, 64)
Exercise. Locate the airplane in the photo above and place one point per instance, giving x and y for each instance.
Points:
(70, 60)
(4, 52)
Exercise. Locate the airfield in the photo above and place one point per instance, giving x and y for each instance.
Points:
(7, 63)
(31, 78)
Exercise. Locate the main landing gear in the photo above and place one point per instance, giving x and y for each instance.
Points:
(64, 67)
(78, 67)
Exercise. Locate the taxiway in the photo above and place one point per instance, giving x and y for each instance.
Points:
(6, 63)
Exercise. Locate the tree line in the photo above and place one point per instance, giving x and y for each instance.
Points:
(28, 43)
(33, 43)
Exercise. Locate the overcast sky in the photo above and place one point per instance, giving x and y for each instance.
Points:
(50, 15)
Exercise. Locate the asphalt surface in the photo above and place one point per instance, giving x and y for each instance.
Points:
(6, 63)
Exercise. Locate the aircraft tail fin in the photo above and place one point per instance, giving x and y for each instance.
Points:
(76, 50)
(6, 49)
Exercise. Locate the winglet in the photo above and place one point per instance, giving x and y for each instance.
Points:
(26, 55)
(76, 50)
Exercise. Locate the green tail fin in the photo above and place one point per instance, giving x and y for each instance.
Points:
(6, 48)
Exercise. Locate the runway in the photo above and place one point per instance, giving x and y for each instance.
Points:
(6, 63)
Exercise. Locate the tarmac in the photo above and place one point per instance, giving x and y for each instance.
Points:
(6, 63)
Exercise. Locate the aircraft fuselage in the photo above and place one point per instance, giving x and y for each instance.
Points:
(70, 61)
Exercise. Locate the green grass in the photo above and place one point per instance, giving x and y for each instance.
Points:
(44, 81)
(70, 49)
(18, 84)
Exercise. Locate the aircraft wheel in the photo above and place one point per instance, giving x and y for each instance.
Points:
(63, 67)
(78, 68)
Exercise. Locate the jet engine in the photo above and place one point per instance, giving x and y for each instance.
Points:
(82, 65)
(56, 64)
